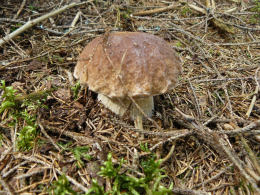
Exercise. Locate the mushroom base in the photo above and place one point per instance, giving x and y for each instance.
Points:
(119, 106)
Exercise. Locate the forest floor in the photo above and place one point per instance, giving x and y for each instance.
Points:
(204, 137)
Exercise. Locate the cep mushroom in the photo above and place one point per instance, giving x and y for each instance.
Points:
(126, 66)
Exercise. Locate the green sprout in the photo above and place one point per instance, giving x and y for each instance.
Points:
(8, 97)
(144, 147)
(80, 152)
(123, 183)
(185, 11)
(22, 110)
(178, 44)
(256, 8)
(76, 89)
(62, 187)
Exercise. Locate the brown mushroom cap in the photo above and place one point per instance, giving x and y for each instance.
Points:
(128, 64)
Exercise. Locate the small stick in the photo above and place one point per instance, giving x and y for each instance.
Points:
(214, 177)
(187, 191)
(244, 129)
(172, 134)
(75, 20)
(198, 9)
(235, 44)
(76, 136)
(251, 154)
(169, 154)
(195, 97)
(177, 136)
(238, 163)
(46, 134)
(20, 10)
(13, 169)
(6, 186)
(31, 23)
(154, 11)
(254, 96)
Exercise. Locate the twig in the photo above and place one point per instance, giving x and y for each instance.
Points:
(195, 97)
(20, 9)
(75, 20)
(176, 28)
(235, 44)
(170, 139)
(175, 134)
(76, 136)
(6, 186)
(224, 79)
(214, 177)
(31, 23)
(7, 173)
(14, 136)
(254, 96)
(251, 154)
(46, 134)
(5, 153)
(238, 163)
(186, 191)
(25, 175)
(244, 129)
(169, 154)
(154, 11)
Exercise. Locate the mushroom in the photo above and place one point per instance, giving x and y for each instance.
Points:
(127, 69)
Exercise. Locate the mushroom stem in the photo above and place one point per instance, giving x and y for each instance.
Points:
(141, 107)
(138, 107)
(139, 122)
(119, 106)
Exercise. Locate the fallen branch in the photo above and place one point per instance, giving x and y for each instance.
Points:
(31, 23)
(188, 191)
(244, 129)
(215, 21)
(81, 138)
(155, 11)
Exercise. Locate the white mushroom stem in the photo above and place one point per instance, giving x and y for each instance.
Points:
(119, 106)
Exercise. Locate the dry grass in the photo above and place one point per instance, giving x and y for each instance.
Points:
(207, 120)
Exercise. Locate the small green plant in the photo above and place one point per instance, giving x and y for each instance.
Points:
(144, 147)
(256, 8)
(22, 110)
(185, 11)
(178, 44)
(81, 152)
(8, 98)
(76, 89)
(96, 189)
(123, 183)
(27, 135)
(32, 8)
(61, 187)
